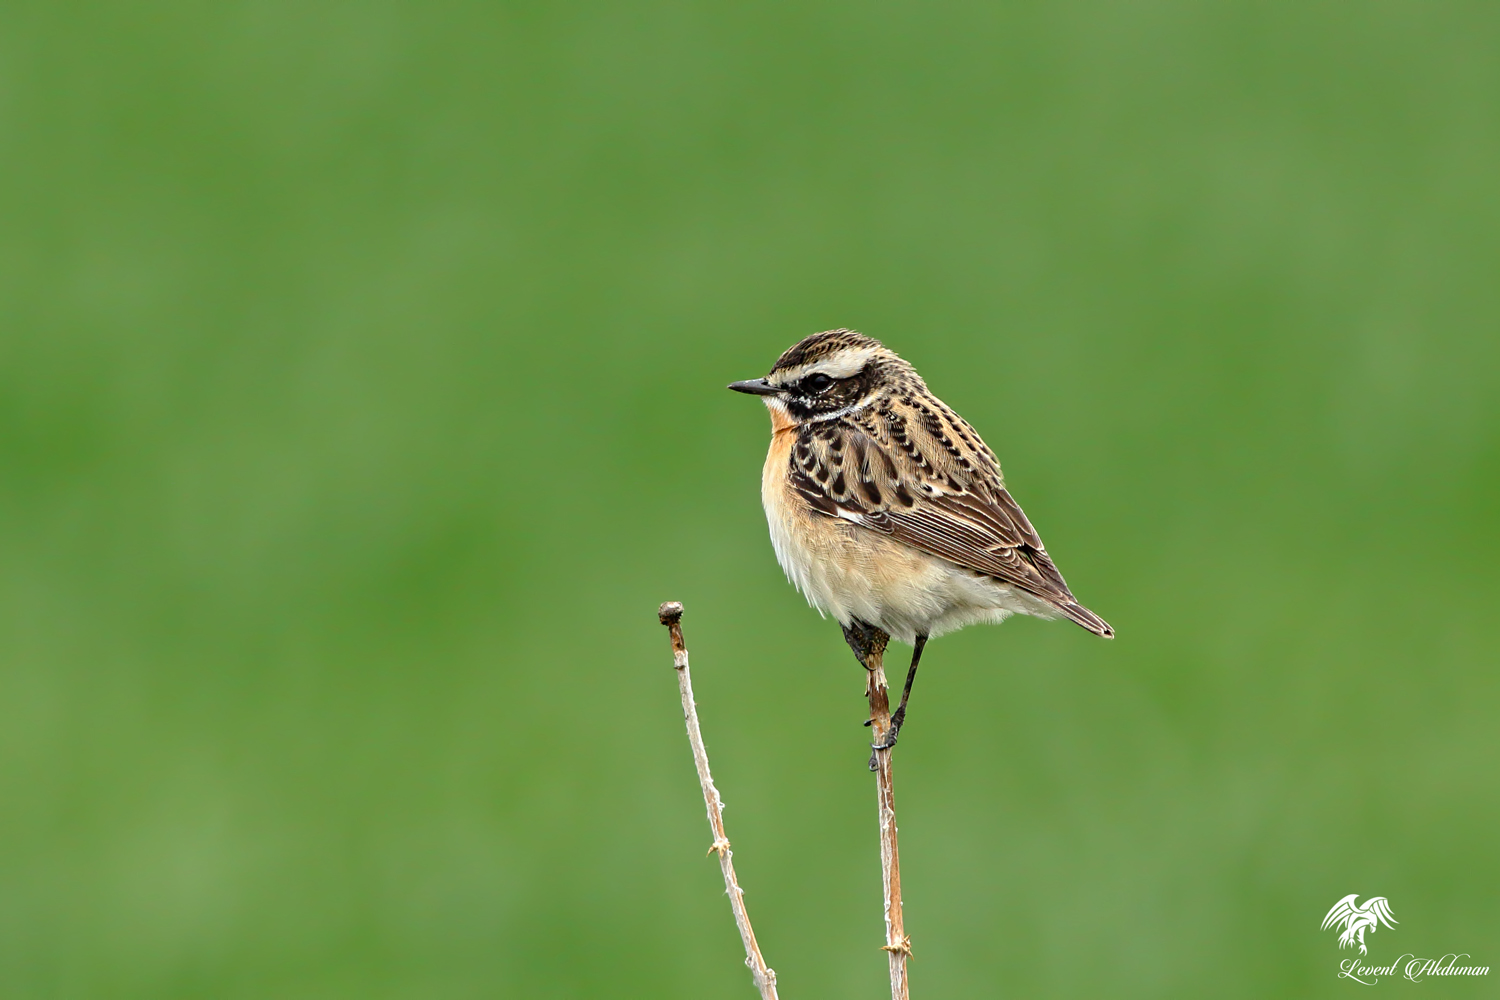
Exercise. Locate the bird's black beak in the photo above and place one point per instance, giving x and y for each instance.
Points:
(755, 387)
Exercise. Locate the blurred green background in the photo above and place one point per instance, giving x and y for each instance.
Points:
(361, 395)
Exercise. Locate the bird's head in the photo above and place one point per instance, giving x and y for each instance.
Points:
(830, 374)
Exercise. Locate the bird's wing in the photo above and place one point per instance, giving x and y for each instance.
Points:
(1342, 912)
(1380, 908)
(933, 484)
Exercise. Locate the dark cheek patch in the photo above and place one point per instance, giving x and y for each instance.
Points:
(846, 392)
(843, 393)
(798, 408)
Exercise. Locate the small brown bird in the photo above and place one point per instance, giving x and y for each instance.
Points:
(886, 508)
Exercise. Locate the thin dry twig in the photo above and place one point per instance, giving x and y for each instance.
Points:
(897, 944)
(670, 615)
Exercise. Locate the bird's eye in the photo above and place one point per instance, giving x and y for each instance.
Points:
(817, 383)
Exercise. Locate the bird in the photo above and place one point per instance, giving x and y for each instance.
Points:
(888, 511)
(1355, 920)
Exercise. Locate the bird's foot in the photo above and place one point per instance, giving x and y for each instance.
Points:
(885, 744)
(898, 719)
(889, 740)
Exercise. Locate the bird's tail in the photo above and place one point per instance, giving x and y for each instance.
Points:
(1083, 616)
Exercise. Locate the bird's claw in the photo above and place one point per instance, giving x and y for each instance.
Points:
(885, 744)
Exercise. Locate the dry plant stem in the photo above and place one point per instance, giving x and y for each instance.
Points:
(670, 615)
(897, 944)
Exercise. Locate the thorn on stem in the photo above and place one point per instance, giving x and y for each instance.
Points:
(904, 948)
(720, 846)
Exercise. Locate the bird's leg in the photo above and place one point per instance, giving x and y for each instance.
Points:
(864, 639)
(899, 716)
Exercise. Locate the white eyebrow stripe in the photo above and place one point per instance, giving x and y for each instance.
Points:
(841, 365)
